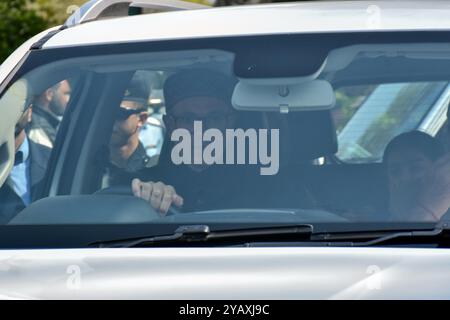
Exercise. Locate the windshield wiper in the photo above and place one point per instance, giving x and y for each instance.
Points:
(202, 233)
(347, 239)
(303, 232)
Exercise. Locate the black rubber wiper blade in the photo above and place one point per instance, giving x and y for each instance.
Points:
(202, 233)
(342, 239)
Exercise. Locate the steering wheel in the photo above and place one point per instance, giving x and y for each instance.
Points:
(127, 191)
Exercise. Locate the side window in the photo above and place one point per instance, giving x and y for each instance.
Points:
(348, 101)
(368, 117)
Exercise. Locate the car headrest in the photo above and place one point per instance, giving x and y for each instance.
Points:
(311, 135)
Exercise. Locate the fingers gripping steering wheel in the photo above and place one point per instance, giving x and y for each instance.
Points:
(127, 191)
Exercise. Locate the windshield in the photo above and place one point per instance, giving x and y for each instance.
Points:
(346, 128)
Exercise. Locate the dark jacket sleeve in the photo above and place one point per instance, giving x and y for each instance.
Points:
(10, 204)
(39, 156)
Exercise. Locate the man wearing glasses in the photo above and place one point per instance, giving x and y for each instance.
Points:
(127, 154)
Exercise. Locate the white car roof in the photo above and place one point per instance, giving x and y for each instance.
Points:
(337, 16)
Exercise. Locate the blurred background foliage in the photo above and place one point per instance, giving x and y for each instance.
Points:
(21, 19)
(18, 22)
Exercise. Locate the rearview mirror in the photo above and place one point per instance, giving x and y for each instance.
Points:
(282, 96)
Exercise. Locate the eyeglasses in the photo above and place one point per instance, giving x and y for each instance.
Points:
(124, 113)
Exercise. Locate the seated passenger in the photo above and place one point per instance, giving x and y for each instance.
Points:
(24, 181)
(201, 95)
(127, 154)
(418, 177)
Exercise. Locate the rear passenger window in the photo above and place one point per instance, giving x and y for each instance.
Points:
(367, 117)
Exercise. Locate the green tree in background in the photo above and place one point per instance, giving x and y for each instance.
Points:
(22, 19)
(18, 22)
(55, 12)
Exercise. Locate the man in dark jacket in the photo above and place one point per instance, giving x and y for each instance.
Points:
(204, 95)
(24, 183)
(48, 110)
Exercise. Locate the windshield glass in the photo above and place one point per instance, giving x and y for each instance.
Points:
(317, 129)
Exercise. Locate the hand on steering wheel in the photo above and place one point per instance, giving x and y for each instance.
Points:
(163, 198)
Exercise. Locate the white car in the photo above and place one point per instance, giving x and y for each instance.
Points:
(278, 211)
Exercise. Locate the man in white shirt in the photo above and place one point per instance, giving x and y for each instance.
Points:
(24, 182)
(19, 177)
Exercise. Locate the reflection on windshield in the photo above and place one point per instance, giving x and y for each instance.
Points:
(171, 133)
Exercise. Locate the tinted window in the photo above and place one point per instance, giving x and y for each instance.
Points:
(238, 149)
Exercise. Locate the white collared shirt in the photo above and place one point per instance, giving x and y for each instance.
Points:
(19, 178)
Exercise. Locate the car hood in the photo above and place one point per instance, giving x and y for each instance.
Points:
(225, 273)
